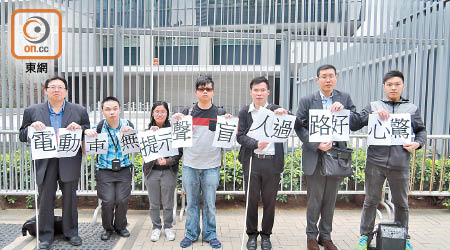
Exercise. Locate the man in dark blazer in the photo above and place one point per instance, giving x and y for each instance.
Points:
(267, 165)
(321, 190)
(56, 113)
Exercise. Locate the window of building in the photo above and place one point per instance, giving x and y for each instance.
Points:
(236, 52)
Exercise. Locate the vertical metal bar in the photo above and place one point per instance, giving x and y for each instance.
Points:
(444, 161)
(422, 174)
(413, 171)
(433, 164)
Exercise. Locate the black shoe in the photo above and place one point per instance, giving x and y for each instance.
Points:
(75, 241)
(251, 243)
(45, 245)
(106, 235)
(265, 242)
(123, 232)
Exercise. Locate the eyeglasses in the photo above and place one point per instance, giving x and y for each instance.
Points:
(160, 113)
(56, 87)
(207, 89)
(327, 77)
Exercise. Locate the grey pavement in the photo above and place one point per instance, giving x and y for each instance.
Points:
(429, 230)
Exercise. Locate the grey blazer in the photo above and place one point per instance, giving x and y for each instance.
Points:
(310, 152)
(69, 168)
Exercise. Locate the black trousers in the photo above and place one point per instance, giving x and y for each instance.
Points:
(114, 189)
(264, 184)
(47, 195)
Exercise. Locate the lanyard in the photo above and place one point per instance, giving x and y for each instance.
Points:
(116, 146)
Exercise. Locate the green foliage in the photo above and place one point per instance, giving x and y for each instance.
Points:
(447, 204)
(427, 169)
(231, 173)
(29, 202)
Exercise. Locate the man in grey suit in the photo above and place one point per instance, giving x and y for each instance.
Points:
(321, 190)
(56, 113)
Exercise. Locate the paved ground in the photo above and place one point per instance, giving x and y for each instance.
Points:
(429, 229)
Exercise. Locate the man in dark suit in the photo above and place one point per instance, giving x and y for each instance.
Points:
(57, 113)
(267, 165)
(321, 190)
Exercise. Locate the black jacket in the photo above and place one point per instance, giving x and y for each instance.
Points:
(248, 144)
(394, 157)
(310, 152)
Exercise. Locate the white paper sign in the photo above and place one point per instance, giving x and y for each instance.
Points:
(128, 142)
(226, 130)
(261, 128)
(396, 130)
(282, 128)
(69, 142)
(325, 126)
(96, 144)
(43, 143)
(155, 144)
(182, 132)
(340, 125)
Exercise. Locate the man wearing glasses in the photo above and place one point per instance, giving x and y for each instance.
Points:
(321, 190)
(56, 113)
(201, 166)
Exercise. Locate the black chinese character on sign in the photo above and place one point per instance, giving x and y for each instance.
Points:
(149, 145)
(43, 140)
(180, 130)
(320, 126)
(338, 122)
(262, 124)
(377, 135)
(96, 145)
(226, 131)
(41, 68)
(282, 130)
(30, 67)
(129, 141)
(165, 139)
(400, 127)
(69, 142)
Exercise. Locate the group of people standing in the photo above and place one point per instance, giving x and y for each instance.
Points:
(201, 164)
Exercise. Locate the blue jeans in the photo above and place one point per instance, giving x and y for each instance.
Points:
(203, 182)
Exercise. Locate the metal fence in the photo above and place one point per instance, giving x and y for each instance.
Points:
(147, 50)
(429, 176)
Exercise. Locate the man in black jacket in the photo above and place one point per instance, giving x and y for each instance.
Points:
(389, 162)
(321, 190)
(267, 165)
(65, 172)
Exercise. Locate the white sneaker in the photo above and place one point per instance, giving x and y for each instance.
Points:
(156, 233)
(170, 234)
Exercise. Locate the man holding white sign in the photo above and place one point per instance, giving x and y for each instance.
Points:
(321, 190)
(114, 170)
(254, 135)
(201, 163)
(393, 118)
(56, 113)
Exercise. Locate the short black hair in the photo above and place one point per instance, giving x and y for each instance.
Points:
(259, 79)
(55, 78)
(391, 74)
(109, 99)
(325, 67)
(202, 81)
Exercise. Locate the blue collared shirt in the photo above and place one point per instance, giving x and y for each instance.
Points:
(105, 160)
(56, 119)
(326, 102)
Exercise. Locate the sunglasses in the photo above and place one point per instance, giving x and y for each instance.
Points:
(203, 89)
